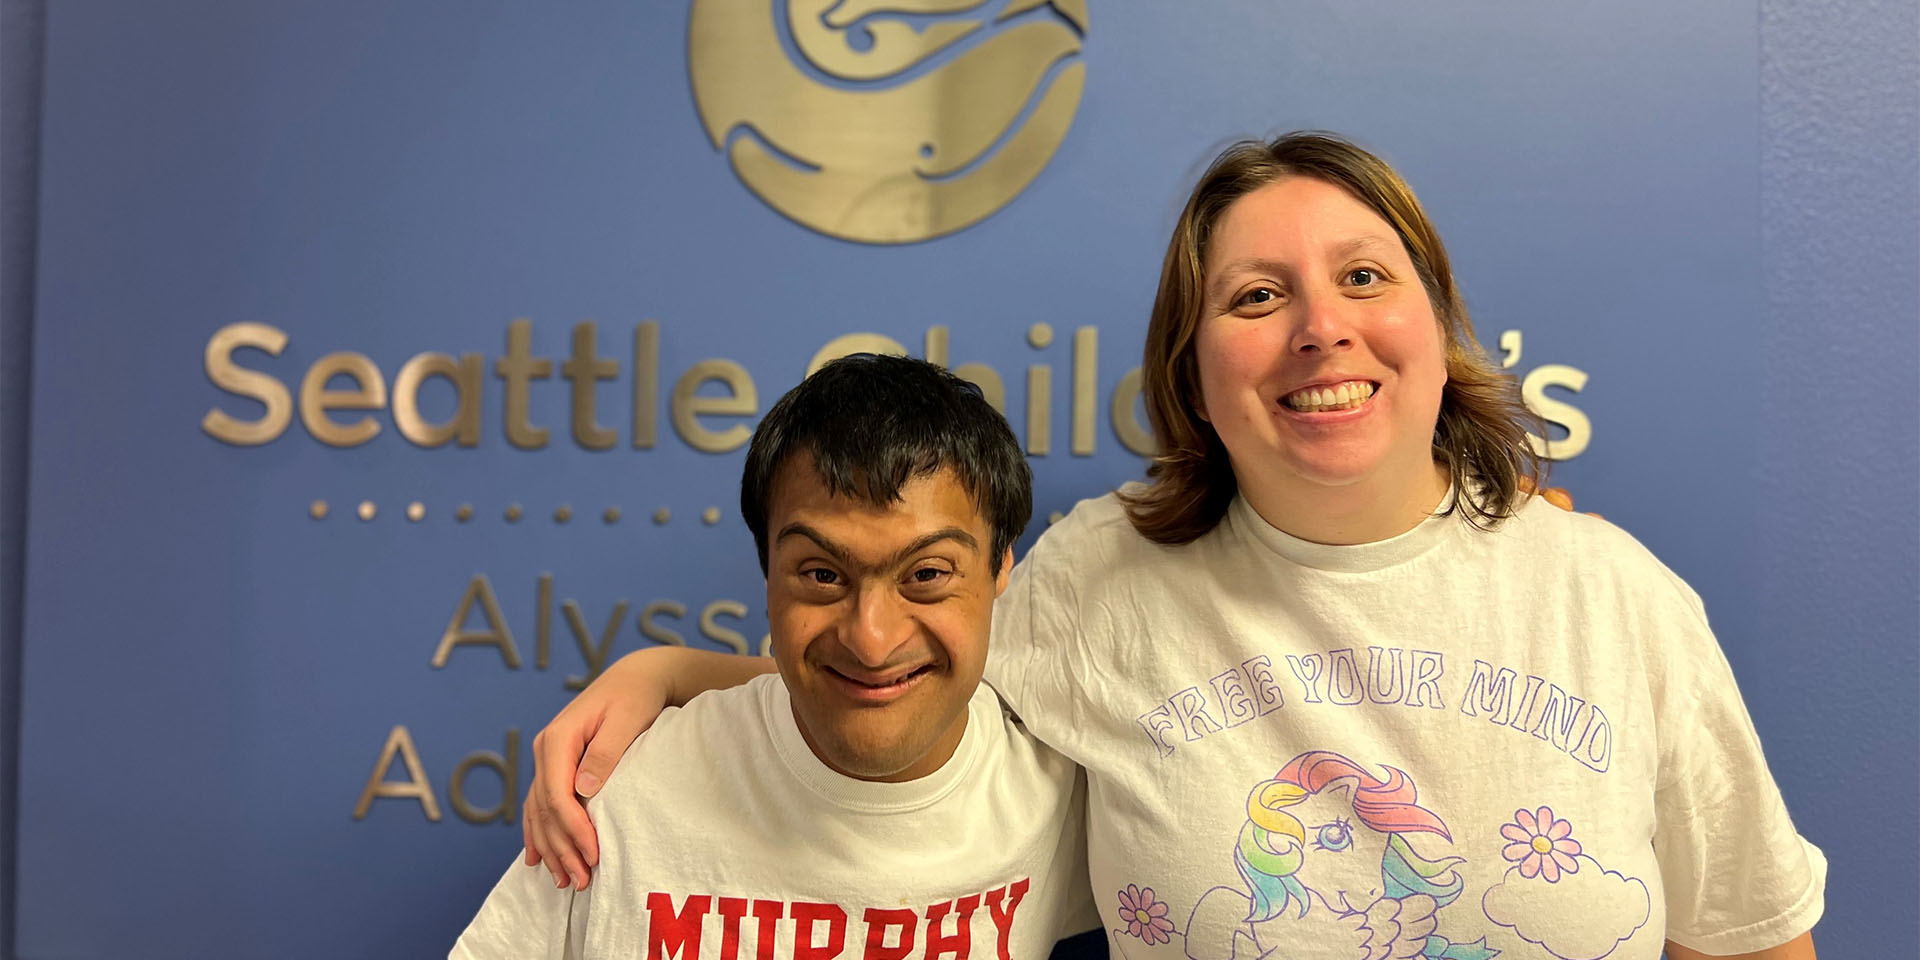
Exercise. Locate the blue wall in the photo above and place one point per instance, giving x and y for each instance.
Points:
(1708, 208)
(1831, 680)
(20, 70)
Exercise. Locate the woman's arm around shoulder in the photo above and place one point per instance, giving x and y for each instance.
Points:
(574, 755)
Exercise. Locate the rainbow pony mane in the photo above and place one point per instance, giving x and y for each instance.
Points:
(1272, 844)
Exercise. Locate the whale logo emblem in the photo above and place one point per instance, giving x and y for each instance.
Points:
(887, 121)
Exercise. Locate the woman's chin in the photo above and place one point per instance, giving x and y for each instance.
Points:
(1337, 477)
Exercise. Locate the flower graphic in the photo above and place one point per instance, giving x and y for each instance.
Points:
(1144, 916)
(1542, 845)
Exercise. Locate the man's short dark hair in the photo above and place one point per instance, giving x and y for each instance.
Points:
(873, 423)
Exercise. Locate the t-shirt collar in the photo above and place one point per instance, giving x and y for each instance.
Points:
(1344, 558)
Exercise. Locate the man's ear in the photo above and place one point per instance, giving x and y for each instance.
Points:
(1006, 570)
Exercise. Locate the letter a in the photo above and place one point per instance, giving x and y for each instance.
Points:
(496, 633)
(414, 787)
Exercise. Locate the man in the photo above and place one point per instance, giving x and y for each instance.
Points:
(873, 800)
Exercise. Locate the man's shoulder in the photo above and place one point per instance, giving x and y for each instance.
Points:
(710, 740)
(1015, 759)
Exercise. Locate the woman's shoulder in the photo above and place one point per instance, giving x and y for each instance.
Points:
(1098, 523)
(1591, 550)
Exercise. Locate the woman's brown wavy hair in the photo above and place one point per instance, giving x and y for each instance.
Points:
(1481, 435)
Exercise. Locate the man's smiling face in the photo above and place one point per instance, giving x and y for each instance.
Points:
(880, 614)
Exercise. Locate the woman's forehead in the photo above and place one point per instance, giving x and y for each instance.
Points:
(1293, 219)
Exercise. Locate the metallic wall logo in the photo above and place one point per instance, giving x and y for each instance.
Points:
(887, 121)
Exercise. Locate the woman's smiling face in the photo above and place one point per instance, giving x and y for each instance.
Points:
(1321, 362)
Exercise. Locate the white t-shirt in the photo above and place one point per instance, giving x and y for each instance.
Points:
(723, 837)
(1455, 743)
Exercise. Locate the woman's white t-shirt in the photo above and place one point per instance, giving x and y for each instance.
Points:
(1522, 743)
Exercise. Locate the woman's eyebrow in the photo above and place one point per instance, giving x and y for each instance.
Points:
(1347, 248)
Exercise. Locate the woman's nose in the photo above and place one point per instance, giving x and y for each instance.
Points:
(1322, 325)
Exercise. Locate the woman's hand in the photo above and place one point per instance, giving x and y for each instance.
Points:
(576, 753)
(1558, 496)
(600, 723)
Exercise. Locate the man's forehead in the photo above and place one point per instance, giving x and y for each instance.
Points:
(931, 507)
(798, 486)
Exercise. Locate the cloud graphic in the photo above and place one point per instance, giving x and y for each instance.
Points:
(1584, 916)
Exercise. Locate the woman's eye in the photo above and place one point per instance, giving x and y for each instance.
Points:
(1259, 296)
(1362, 277)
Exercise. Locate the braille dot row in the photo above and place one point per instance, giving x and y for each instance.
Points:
(416, 512)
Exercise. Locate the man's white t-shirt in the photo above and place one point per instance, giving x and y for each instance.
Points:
(723, 837)
(1521, 743)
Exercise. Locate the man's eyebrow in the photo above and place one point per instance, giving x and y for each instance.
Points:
(841, 555)
(802, 530)
(955, 534)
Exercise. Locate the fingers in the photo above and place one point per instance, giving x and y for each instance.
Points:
(552, 769)
(574, 757)
(567, 825)
(618, 729)
(603, 753)
(1559, 497)
(555, 816)
(532, 858)
(543, 851)
(610, 742)
(555, 813)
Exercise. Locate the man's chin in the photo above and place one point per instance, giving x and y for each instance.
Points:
(865, 756)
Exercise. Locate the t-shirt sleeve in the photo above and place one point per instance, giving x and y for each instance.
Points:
(1035, 636)
(527, 918)
(1738, 877)
(1082, 912)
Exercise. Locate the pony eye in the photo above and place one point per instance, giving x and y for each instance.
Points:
(1334, 836)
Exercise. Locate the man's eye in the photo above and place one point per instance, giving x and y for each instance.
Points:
(928, 575)
(822, 576)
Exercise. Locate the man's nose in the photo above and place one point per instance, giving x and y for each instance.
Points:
(880, 625)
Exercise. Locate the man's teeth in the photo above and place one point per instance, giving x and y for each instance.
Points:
(879, 685)
(1343, 396)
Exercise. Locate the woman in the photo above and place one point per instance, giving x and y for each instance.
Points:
(1340, 687)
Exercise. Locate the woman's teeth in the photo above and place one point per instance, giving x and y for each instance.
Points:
(1343, 396)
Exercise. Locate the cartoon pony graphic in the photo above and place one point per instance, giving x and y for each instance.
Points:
(1327, 855)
